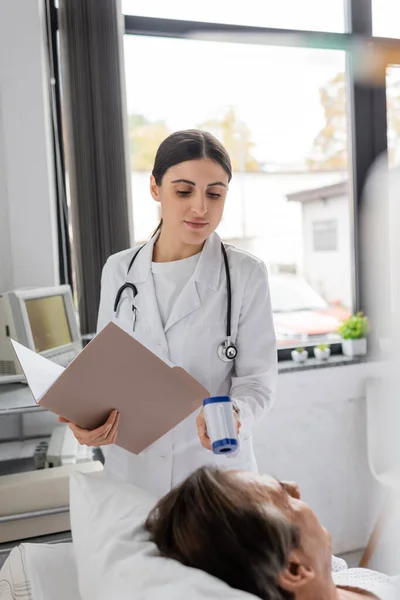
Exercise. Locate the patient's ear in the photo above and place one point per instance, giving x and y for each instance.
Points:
(297, 575)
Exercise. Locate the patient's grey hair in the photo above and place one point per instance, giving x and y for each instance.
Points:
(213, 522)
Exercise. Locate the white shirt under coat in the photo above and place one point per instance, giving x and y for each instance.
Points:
(195, 327)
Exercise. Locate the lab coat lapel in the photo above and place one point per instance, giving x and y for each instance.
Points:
(148, 314)
(207, 274)
(187, 302)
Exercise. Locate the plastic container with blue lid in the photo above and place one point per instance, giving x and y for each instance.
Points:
(221, 426)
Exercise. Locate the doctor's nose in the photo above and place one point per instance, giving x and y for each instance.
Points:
(199, 205)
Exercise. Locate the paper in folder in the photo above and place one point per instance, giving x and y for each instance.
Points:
(115, 371)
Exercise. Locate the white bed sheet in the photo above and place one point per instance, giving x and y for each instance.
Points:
(51, 571)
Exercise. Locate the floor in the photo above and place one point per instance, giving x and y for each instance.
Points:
(386, 558)
(352, 558)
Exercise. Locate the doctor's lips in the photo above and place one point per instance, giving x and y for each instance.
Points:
(197, 224)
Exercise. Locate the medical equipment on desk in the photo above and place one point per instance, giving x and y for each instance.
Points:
(221, 426)
(44, 320)
(227, 351)
(63, 449)
(58, 450)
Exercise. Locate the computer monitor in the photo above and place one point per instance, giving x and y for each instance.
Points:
(44, 320)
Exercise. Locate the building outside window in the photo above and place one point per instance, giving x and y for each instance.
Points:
(324, 236)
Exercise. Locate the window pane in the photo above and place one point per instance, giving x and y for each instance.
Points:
(281, 114)
(312, 15)
(386, 18)
(393, 114)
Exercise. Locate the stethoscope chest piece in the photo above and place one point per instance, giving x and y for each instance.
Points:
(227, 351)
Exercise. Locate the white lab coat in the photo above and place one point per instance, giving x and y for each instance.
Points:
(195, 328)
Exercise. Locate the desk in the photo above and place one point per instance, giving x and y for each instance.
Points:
(16, 398)
(23, 424)
(17, 444)
(17, 404)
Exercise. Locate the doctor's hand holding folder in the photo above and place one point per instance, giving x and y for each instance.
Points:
(115, 391)
(101, 436)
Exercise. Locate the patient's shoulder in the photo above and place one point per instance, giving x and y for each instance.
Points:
(372, 583)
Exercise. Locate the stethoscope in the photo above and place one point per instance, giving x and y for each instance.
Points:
(227, 351)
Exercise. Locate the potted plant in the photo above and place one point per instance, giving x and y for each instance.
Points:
(299, 355)
(354, 334)
(322, 352)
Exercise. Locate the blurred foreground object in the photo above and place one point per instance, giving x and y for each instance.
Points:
(380, 271)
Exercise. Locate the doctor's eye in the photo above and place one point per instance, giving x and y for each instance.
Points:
(214, 195)
(183, 193)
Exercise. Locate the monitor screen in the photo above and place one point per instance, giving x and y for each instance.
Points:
(49, 322)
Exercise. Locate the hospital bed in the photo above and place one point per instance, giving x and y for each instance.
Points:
(110, 556)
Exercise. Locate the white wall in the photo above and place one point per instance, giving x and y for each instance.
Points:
(6, 268)
(329, 272)
(316, 435)
(28, 236)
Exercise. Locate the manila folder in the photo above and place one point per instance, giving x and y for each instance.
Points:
(116, 371)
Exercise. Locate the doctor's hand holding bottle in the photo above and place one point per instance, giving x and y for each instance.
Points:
(102, 436)
(202, 429)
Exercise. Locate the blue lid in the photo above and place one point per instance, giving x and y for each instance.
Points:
(215, 399)
(225, 446)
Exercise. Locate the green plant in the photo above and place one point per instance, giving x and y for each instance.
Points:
(323, 347)
(299, 350)
(354, 328)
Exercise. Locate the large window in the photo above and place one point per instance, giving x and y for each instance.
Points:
(281, 113)
(312, 15)
(282, 102)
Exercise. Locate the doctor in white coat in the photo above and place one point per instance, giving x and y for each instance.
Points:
(180, 313)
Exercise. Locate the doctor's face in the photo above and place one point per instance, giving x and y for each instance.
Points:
(192, 196)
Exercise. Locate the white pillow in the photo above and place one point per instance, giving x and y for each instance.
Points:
(114, 558)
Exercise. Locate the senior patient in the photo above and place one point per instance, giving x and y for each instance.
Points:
(255, 534)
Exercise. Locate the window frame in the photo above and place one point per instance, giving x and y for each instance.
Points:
(366, 105)
(62, 213)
